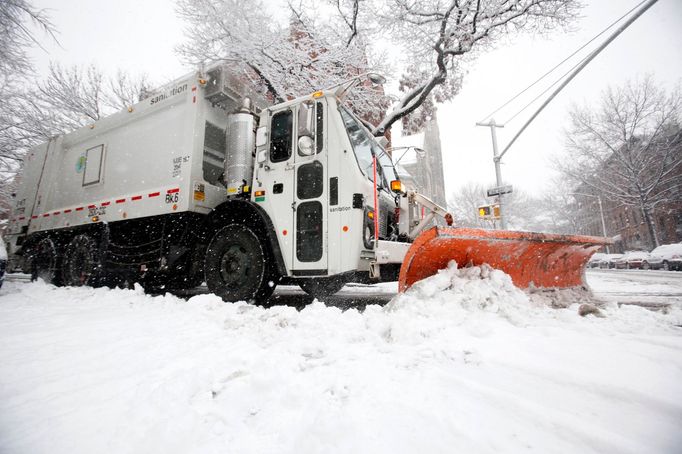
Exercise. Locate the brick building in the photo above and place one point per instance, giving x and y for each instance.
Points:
(625, 224)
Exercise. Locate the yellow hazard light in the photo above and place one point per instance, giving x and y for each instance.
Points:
(95, 218)
(396, 186)
(318, 94)
(370, 214)
(199, 195)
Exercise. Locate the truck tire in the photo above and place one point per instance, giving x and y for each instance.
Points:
(45, 262)
(237, 266)
(322, 286)
(82, 264)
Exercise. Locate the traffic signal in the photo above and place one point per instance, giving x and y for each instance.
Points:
(489, 212)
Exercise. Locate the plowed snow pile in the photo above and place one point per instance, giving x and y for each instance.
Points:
(464, 362)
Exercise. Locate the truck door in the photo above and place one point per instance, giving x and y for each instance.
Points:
(310, 192)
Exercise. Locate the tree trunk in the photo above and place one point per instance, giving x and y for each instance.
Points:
(652, 228)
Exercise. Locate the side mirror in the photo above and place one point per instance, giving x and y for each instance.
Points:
(306, 119)
(306, 146)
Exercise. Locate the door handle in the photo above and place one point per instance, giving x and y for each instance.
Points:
(293, 206)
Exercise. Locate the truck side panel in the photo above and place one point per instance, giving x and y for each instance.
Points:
(132, 164)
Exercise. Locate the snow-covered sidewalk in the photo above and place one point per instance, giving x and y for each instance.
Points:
(464, 362)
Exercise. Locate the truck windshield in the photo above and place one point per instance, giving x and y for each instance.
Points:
(361, 142)
(364, 147)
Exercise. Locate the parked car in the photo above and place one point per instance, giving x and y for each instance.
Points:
(609, 260)
(632, 259)
(667, 257)
(596, 260)
(3, 260)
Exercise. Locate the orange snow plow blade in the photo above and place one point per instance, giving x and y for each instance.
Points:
(531, 259)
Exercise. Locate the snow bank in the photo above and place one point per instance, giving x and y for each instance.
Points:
(463, 362)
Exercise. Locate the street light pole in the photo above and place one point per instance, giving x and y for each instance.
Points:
(601, 213)
(498, 171)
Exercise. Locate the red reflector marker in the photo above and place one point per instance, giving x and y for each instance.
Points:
(104, 204)
(136, 197)
(79, 209)
(173, 191)
(120, 200)
(154, 194)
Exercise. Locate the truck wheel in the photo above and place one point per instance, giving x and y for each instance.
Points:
(82, 264)
(237, 267)
(321, 287)
(45, 262)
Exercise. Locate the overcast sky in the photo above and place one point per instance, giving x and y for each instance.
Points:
(139, 36)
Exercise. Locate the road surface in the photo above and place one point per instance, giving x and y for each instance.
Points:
(648, 288)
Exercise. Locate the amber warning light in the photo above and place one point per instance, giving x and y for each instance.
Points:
(396, 186)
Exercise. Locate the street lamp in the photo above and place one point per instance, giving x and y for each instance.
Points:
(601, 213)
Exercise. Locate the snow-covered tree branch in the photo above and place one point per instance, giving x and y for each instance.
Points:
(438, 36)
(282, 62)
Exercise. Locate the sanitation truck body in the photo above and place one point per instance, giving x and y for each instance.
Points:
(145, 193)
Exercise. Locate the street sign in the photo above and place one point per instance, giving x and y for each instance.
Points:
(500, 190)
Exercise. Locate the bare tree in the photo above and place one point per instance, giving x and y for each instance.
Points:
(628, 148)
(69, 98)
(16, 37)
(435, 36)
(309, 54)
(524, 212)
(438, 36)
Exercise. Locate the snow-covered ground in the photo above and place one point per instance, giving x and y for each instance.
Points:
(643, 287)
(464, 362)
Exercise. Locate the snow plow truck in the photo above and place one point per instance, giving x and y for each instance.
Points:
(198, 182)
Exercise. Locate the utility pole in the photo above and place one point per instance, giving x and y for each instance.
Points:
(497, 157)
(498, 170)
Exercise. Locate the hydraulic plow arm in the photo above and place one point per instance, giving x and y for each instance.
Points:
(415, 198)
(531, 259)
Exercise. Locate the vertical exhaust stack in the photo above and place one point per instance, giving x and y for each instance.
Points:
(240, 142)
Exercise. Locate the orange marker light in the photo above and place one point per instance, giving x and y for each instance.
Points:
(345, 228)
(284, 232)
(259, 193)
